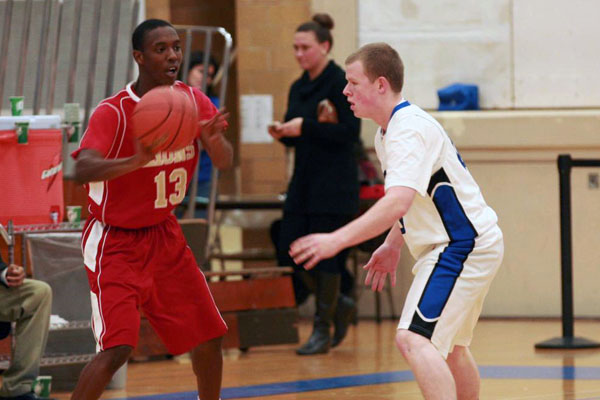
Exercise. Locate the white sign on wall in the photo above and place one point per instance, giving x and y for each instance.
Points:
(257, 114)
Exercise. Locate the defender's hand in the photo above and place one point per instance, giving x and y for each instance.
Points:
(311, 249)
(383, 262)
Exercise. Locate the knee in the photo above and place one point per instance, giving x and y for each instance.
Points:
(209, 347)
(112, 359)
(402, 342)
(207, 352)
(457, 355)
(42, 294)
(408, 342)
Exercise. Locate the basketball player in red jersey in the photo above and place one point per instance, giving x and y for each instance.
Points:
(134, 251)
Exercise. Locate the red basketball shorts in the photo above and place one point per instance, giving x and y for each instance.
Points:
(153, 269)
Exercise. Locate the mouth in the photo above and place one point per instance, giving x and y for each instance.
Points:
(172, 71)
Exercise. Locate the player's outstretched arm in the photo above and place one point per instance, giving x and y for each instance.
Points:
(218, 147)
(311, 249)
(91, 166)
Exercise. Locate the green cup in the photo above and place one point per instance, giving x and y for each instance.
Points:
(73, 133)
(42, 385)
(71, 112)
(16, 105)
(74, 215)
(22, 129)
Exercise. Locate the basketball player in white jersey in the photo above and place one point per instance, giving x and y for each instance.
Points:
(434, 205)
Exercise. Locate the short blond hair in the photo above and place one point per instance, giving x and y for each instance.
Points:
(380, 59)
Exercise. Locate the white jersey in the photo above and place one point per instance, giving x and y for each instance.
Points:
(416, 152)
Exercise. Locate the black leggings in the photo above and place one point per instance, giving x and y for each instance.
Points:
(294, 226)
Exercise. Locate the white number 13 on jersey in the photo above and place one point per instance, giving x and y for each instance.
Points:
(179, 178)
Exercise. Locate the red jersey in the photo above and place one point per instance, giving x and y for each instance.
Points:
(146, 196)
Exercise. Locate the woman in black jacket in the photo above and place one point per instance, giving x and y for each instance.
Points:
(323, 192)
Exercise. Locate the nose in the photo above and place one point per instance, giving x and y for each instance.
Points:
(346, 91)
(172, 54)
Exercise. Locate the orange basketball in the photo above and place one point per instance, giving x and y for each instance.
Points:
(165, 119)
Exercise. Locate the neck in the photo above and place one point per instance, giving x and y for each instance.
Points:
(315, 72)
(386, 110)
(143, 86)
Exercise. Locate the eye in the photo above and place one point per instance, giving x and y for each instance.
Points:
(177, 47)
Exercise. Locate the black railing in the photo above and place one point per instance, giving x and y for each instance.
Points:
(568, 339)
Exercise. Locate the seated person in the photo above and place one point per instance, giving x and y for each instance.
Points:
(26, 302)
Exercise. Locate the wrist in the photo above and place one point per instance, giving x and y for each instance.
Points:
(339, 240)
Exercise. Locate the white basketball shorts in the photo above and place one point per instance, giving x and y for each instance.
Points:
(450, 284)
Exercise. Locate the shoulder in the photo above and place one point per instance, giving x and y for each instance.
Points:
(111, 107)
(196, 94)
(336, 70)
(415, 118)
(336, 76)
(204, 105)
(106, 112)
(297, 84)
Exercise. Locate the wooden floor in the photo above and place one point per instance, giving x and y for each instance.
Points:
(504, 349)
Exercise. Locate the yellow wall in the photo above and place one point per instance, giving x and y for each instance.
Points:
(158, 9)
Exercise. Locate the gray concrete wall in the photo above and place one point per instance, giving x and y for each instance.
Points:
(86, 39)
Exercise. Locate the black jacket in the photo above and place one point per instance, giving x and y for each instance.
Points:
(4, 325)
(3, 266)
(325, 179)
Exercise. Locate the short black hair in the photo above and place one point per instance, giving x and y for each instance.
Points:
(197, 57)
(137, 38)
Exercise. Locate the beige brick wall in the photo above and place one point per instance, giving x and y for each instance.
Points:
(266, 65)
(158, 9)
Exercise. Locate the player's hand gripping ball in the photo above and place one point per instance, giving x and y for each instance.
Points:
(165, 119)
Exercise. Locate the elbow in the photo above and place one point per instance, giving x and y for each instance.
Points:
(398, 212)
(79, 176)
(399, 202)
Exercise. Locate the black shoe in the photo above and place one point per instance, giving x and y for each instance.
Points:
(344, 314)
(318, 343)
(26, 396)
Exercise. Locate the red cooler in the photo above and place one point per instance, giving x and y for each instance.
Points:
(31, 174)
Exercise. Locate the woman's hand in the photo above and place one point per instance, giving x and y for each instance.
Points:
(292, 128)
(274, 129)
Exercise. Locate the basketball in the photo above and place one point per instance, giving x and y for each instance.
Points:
(165, 119)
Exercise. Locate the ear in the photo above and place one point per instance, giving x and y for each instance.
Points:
(382, 84)
(138, 56)
(325, 47)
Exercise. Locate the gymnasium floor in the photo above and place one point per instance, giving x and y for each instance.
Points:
(368, 366)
